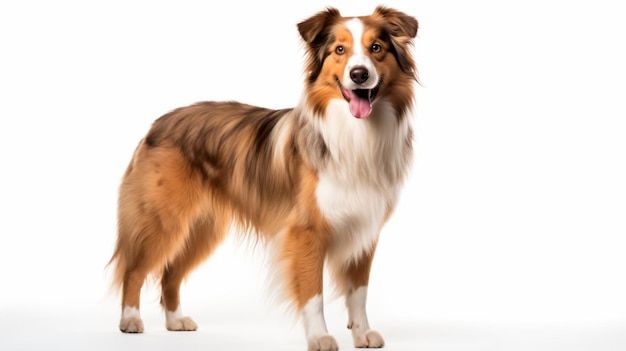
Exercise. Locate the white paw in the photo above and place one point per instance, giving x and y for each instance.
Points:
(181, 324)
(323, 343)
(131, 324)
(369, 339)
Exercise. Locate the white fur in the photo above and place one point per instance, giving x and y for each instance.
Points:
(315, 326)
(171, 316)
(175, 320)
(359, 58)
(313, 318)
(130, 312)
(357, 316)
(362, 335)
(357, 189)
(131, 320)
(355, 214)
(355, 26)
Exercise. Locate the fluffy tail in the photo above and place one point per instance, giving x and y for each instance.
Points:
(118, 264)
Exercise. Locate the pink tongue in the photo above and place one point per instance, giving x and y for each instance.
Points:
(359, 107)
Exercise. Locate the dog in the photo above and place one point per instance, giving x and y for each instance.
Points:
(314, 183)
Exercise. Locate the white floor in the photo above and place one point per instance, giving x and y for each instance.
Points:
(96, 329)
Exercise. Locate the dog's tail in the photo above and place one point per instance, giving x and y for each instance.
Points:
(118, 264)
(121, 260)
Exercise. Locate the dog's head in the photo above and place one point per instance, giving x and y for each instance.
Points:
(359, 59)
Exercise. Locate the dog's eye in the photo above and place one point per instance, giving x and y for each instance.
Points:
(340, 50)
(376, 48)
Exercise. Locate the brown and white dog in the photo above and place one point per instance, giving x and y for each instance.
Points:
(316, 182)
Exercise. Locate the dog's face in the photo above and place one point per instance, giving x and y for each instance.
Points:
(360, 59)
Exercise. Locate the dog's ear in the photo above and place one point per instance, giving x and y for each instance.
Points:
(315, 32)
(401, 29)
(312, 28)
(398, 23)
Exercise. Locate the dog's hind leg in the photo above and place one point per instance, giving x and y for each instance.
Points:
(204, 237)
(144, 258)
(160, 199)
(130, 321)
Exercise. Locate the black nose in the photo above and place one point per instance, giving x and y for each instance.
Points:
(359, 75)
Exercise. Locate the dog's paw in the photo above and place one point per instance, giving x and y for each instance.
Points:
(323, 343)
(181, 324)
(369, 339)
(132, 324)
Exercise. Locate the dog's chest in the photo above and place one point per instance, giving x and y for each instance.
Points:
(356, 190)
(351, 206)
(355, 210)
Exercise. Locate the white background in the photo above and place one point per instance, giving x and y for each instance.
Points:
(511, 233)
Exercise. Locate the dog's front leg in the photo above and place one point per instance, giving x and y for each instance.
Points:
(315, 326)
(304, 254)
(356, 280)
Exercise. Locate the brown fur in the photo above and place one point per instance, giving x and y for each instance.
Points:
(205, 166)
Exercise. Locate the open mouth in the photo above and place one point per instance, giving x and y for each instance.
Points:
(360, 100)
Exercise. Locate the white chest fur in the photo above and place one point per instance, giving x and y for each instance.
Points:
(357, 188)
